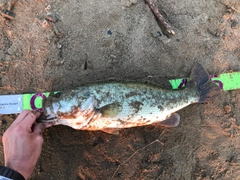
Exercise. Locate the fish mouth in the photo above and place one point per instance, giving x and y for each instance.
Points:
(47, 119)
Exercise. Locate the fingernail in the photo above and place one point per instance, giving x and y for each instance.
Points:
(35, 111)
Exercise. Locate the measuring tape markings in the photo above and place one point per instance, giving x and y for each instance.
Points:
(33, 98)
(33, 101)
(227, 81)
(230, 81)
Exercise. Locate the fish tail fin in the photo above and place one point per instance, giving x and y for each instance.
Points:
(200, 80)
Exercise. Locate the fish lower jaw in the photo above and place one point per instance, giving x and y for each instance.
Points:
(51, 118)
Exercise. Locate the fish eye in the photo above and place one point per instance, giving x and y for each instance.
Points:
(57, 95)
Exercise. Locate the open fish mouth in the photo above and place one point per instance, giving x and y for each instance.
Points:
(47, 119)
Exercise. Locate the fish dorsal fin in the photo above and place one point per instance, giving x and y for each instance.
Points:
(172, 121)
(110, 110)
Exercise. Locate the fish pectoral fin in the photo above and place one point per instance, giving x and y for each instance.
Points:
(172, 121)
(114, 131)
(110, 110)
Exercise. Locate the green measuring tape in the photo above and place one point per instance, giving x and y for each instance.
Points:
(12, 104)
(226, 81)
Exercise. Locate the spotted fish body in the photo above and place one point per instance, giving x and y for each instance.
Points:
(110, 106)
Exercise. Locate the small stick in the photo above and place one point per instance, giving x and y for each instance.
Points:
(164, 25)
(156, 140)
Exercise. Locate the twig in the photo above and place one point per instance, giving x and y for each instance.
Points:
(164, 25)
(156, 140)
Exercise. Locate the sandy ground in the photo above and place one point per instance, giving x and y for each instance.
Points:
(89, 41)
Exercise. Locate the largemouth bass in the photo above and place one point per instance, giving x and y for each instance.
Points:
(111, 106)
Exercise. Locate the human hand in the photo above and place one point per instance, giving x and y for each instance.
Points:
(22, 143)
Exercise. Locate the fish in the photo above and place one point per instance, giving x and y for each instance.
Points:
(112, 106)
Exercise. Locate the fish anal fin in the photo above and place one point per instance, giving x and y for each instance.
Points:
(114, 131)
(172, 121)
(110, 110)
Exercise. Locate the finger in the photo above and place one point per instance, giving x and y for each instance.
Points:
(37, 113)
(47, 125)
(29, 120)
(37, 132)
(20, 117)
(37, 129)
